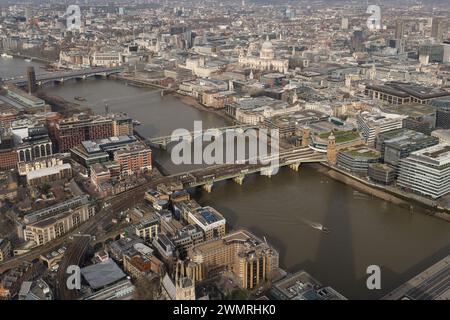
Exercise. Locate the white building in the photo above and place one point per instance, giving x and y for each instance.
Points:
(371, 124)
(427, 171)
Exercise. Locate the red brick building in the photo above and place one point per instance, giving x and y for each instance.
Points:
(70, 132)
(8, 159)
(136, 157)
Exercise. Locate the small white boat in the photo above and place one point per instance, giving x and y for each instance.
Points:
(5, 55)
(28, 60)
(320, 227)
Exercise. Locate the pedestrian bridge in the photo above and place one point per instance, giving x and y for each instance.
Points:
(163, 142)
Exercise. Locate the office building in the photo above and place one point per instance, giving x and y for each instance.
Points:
(251, 260)
(357, 159)
(344, 23)
(442, 113)
(371, 124)
(419, 117)
(381, 173)
(70, 132)
(209, 220)
(54, 221)
(427, 171)
(402, 93)
(398, 144)
(147, 229)
(442, 135)
(90, 152)
(134, 158)
(122, 125)
(302, 286)
(437, 29)
(399, 29)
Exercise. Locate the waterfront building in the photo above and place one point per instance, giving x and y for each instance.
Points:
(209, 220)
(26, 100)
(251, 260)
(381, 173)
(320, 139)
(427, 171)
(122, 125)
(107, 59)
(398, 144)
(70, 132)
(357, 159)
(302, 286)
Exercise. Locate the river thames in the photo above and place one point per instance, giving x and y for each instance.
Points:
(364, 230)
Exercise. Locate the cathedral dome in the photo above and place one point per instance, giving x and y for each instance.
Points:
(267, 51)
(267, 45)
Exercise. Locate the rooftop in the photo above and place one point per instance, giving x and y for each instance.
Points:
(438, 154)
(361, 152)
(207, 216)
(341, 136)
(402, 138)
(102, 274)
(411, 110)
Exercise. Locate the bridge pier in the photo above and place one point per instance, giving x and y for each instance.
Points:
(239, 179)
(208, 187)
(295, 166)
(268, 172)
